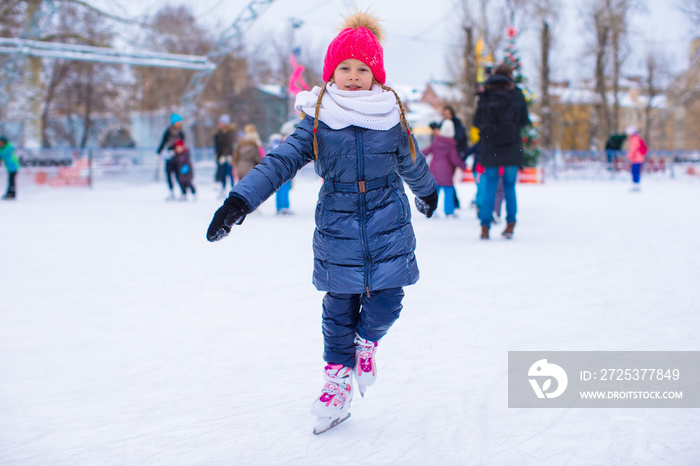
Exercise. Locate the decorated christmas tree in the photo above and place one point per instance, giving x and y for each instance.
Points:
(529, 133)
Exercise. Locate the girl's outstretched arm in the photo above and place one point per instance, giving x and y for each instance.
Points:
(277, 167)
(416, 174)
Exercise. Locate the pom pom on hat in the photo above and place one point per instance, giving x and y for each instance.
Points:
(631, 130)
(359, 39)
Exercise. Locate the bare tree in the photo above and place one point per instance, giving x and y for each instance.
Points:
(487, 24)
(547, 14)
(11, 17)
(601, 124)
(174, 30)
(619, 12)
(609, 20)
(79, 90)
(57, 74)
(691, 10)
(469, 77)
(653, 84)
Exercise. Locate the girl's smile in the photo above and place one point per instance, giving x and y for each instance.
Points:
(353, 75)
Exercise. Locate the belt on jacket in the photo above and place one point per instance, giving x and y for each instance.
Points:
(359, 186)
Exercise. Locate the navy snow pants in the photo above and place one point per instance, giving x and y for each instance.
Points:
(347, 314)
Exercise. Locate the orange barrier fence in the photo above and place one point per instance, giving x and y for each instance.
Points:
(534, 175)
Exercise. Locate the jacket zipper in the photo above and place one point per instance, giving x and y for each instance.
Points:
(361, 200)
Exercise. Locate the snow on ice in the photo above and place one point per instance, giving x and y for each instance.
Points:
(126, 338)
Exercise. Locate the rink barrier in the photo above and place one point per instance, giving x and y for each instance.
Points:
(63, 167)
(528, 175)
(83, 167)
(612, 165)
(55, 167)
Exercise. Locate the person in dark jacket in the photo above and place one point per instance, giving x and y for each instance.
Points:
(356, 132)
(182, 163)
(445, 161)
(224, 141)
(172, 133)
(9, 158)
(613, 149)
(500, 116)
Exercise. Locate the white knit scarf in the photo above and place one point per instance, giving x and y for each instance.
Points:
(373, 109)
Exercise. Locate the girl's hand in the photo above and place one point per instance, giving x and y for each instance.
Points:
(233, 212)
(427, 205)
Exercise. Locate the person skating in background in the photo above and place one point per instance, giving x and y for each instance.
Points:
(248, 152)
(282, 194)
(460, 137)
(355, 130)
(613, 149)
(501, 114)
(444, 162)
(182, 163)
(11, 162)
(224, 141)
(636, 154)
(172, 133)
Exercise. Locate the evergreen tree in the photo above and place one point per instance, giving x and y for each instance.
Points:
(531, 132)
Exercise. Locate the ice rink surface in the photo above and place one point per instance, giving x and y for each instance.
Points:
(127, 339)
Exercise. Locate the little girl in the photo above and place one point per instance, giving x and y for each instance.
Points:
(355, 130)
(444, 162)
(184, 169)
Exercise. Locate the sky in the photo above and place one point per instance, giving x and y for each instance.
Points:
(421, 36)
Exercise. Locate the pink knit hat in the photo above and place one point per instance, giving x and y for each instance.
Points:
(359, 39)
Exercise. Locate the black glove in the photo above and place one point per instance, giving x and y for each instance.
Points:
(427, 205)
(232, 213)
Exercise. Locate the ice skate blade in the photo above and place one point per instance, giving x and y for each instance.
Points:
(324, 424)
(362, 389)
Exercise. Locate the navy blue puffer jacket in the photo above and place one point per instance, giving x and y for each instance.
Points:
(363, 241)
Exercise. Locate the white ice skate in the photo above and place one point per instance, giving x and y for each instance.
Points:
(333, 406)
(365, 369)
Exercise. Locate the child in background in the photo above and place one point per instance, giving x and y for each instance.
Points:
(444, 162)
(9, 158)
(184, 169)
(282, 194)
(355, 130)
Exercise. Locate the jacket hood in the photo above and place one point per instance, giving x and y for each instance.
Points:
(499, 79)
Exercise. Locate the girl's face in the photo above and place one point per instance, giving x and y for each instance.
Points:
(353, 75)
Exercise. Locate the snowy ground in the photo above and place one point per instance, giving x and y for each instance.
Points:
(127, 339)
